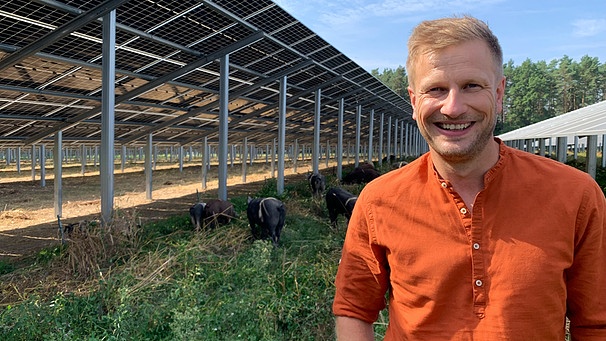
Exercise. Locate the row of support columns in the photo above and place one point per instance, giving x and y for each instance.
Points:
(88, 156)
(408, 141)
(150, 154)
(560, 148)
(107, 156)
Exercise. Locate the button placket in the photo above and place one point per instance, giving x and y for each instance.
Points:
(479, 276)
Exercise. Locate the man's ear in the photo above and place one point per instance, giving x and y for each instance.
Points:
(500, 94)
(413, 102)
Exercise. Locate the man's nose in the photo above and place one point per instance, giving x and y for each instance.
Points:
(454, 103)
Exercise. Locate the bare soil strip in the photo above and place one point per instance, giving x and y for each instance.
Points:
(27, 217)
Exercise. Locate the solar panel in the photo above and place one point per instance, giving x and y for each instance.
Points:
(60, 81)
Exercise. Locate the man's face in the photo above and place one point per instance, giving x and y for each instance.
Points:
(456, 95)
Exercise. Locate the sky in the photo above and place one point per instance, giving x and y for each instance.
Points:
(373, 33)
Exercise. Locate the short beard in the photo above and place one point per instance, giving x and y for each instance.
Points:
(470, 152)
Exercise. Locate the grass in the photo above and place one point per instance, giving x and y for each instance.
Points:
(163, 281)
(6, 267)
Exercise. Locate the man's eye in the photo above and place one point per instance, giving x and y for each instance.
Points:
(473, 86)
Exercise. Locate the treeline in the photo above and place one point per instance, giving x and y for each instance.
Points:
(535, 91)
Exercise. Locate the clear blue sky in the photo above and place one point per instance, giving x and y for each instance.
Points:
(374, 33)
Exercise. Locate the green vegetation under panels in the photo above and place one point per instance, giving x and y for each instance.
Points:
(166, 282)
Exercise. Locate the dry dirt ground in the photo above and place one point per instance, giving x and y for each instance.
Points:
(27, 216)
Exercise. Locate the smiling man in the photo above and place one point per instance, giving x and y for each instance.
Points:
(474, 240)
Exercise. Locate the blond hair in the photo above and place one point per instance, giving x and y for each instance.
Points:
(433, 35)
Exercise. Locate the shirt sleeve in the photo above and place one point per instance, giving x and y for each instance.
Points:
(586, 279)
(362, 277)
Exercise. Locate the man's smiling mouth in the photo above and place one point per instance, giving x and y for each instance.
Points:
(450, 126)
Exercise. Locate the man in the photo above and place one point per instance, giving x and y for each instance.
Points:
(474, 240)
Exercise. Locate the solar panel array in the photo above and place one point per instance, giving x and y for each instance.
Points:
(168, 73)
(589, 120)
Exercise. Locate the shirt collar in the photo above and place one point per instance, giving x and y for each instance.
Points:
(490, 174)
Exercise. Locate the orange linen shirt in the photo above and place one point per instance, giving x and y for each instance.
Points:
(532, 252)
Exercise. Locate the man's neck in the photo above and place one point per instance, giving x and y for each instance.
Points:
(467, 177)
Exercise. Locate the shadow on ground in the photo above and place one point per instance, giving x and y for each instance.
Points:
(17, 244)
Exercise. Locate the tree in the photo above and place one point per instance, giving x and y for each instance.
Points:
(601, 83)
(589, 80)
(527, 94)
(565, 74)
(395, 79)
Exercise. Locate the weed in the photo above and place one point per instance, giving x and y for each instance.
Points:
(6, 267)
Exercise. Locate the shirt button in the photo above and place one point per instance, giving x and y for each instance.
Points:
(444, 185)
(463, 210)
(476, 246)
(478, 282)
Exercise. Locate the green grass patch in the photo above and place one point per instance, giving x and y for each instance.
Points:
(6, 267)
(163, 281)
